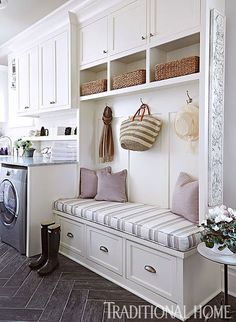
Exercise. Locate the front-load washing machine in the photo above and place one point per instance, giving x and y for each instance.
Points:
(13, 206)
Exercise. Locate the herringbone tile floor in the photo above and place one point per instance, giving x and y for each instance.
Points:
(70, 294)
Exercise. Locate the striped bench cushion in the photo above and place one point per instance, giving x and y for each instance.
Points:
(144, 221)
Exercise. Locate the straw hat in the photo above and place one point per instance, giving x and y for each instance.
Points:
(187, 123)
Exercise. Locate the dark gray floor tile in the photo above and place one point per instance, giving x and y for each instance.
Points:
(44, 291)
(19, 314)
(83, 274)
(113, 295)
(7, 257)
(29, 286)
(20, 275)
(8, 291)
(13, 266)
(3, 249)
(93, 311)
(13, 302)
(75, 306)
(95, 285)
(57, 302)
(3, 281)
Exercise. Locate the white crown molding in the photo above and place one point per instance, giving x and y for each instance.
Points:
(74, 12)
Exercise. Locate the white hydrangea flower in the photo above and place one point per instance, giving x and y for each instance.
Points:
(216, 228)
(232, 212)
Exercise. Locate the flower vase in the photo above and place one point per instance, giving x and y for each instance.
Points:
(29, 153)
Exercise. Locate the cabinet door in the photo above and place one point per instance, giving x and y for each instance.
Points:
(23, 82)
(33, 78)
(171, 16)
(128, 27)
(47, 79)
(94, 41)
(62, 85)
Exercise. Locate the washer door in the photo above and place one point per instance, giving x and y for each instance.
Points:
(8, 203)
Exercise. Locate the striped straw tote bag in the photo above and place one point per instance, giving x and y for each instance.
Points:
(139, 132)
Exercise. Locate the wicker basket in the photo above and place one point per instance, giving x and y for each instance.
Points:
(185, 66)
(94, 87)
(129, 79)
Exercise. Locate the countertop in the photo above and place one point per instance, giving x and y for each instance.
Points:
(31, 162)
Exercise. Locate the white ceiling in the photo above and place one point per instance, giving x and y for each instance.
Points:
(20, 14)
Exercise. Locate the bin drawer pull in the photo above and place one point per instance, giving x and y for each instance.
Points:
(70, 235)
(104, 249)
(150, 269)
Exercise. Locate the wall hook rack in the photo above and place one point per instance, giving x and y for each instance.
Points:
(189, 100)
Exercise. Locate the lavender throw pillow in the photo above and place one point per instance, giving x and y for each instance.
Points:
(112, 186)
(185, 200)
(89, 181)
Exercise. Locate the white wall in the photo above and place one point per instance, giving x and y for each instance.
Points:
(230, 119)
(230, 107)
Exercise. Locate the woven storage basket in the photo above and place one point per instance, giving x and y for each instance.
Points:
(185, 66)
(94, 87)
(129, 79)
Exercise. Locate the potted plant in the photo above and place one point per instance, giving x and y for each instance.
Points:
(219, 230)
(28, 150)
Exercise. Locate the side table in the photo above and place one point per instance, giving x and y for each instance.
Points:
(220, 259)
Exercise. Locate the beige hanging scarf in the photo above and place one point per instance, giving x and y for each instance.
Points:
(106, 146)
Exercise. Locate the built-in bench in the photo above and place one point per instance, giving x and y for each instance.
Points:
(143, 221)
(145, 249)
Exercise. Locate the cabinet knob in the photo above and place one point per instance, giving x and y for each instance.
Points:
(104, 249)
(151, 34)
(143, 37)
(104, 51)
(70, 235)
(26, 107)
(52, 102)
(150, 269)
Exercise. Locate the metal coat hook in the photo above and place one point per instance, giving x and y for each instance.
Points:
(189, 100)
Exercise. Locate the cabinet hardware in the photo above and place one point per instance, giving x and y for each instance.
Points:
(70, 235)
(150, 269)
(26, 107)
(151, 34)
(143, 37)
(52, 102)
(8, 173)
(104, 249)
(104, 51)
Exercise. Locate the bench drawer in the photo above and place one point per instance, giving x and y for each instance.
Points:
(152, 269)
(72, 235)
(105, 249)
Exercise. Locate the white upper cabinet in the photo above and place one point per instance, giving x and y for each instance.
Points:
(54, 72)
(47, 76)
(169, 17)
(62, 84)
(94, 41)
(128, 27)
(28, 80)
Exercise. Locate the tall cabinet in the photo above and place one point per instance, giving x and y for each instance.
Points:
(54, 71)
(28, 80)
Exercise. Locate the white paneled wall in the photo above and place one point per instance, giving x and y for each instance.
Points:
(151, 174)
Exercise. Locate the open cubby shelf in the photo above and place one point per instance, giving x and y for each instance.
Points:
(171, 82)
(146, 59)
